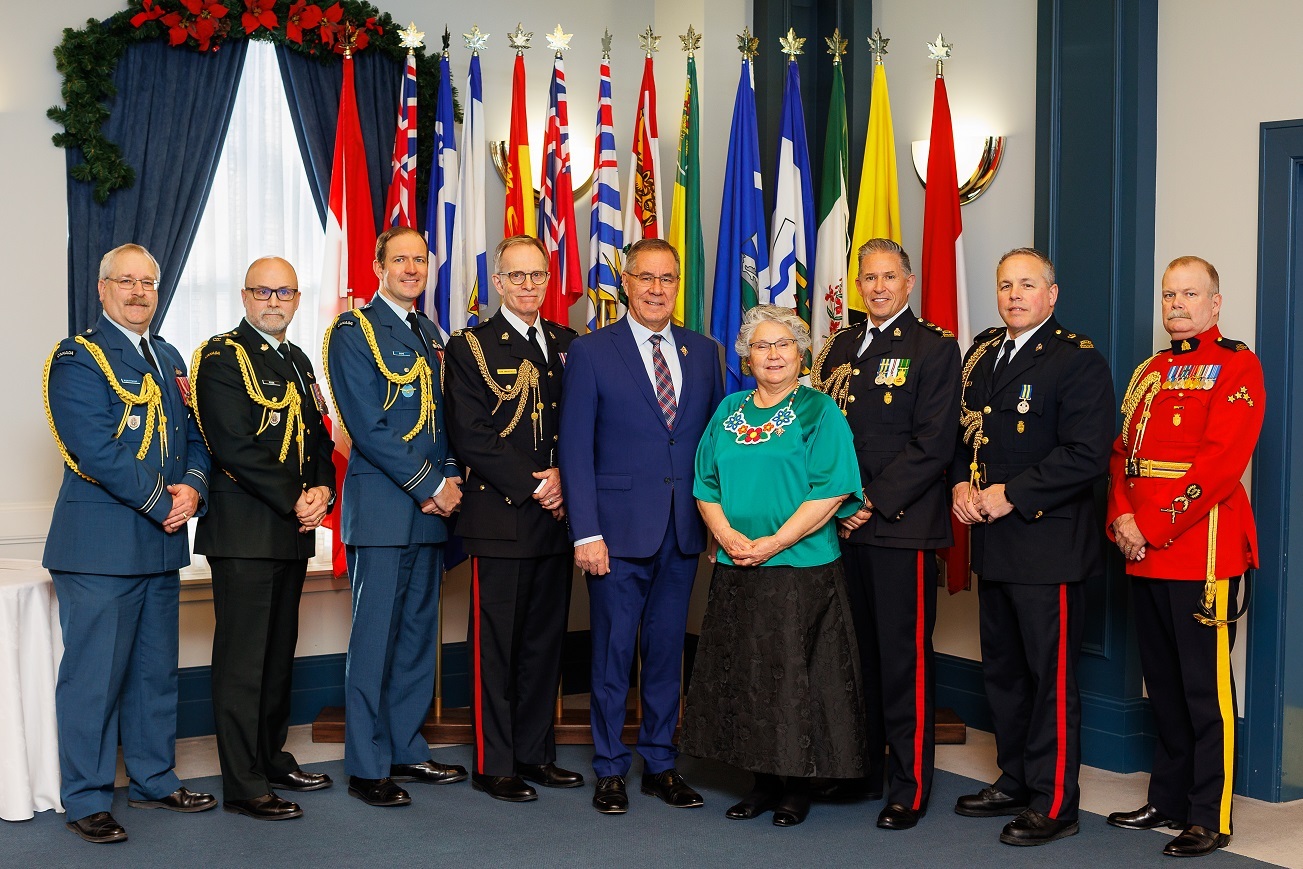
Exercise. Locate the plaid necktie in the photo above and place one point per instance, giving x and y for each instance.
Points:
(664, 383)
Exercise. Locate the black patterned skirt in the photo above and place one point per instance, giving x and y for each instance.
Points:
(776, 684)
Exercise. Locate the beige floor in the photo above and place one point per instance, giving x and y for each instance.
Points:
(1263, 831)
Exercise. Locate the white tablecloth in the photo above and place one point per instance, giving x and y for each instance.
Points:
(31, 645)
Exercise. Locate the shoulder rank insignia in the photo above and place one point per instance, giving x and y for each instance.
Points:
(341, 322)
(989, 333)
(1073, 338)
(1231, 344)
(944, 333)
(62, 353)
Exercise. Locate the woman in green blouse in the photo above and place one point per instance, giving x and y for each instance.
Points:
(775, 687)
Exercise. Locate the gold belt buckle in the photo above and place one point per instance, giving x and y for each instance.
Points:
(1133, 467)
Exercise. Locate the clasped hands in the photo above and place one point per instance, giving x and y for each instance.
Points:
(311, 508)
(974, 506)
(745, 552)
(447, 501)
(549, 494)
(1129, 539)
(185, 501)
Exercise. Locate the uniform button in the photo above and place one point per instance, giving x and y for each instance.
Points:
(508, 500)
(1040, 513)
(307, 431)
(850, 398)
(308, 459)
(405, 370)
(549, 374)
(668, 480)
(671, 441)
(481, 488)
(554, 437)
(986, 409)
(554, 405)
(855, 371)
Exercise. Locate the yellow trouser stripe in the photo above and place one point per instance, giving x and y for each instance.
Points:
(1226, 701)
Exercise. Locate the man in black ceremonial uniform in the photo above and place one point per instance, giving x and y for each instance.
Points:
(1036, 428)
(260, 412)
(503, 394)
(896, 378)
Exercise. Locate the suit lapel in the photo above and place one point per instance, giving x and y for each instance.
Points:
(128, 352)
(258, 347)
(632, 356)
(685, 359)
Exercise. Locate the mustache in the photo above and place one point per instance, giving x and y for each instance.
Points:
(1178, 315)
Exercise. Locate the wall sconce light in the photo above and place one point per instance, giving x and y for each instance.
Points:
(976, 158)
(500, 152)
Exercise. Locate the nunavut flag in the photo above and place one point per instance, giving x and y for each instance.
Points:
(519, 217)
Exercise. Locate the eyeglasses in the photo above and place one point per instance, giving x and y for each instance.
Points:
(646, 279)
(262, 294)
(782, 344)
(518, 278)
(146, 284)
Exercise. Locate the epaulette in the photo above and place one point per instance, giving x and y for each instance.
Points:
(988, 334)
(455, 333)
(561, 327)
(478, 326)
(1231, 344)
(943, 332)
(1073, 338)
(341, 320)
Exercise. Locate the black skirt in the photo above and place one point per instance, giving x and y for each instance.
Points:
(776, 684)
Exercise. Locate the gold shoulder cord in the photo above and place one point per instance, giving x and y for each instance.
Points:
(523, 391)
(972, 420)
(838, 383)
(150, 395)
(291, 402)
(1141, 389)
(420, 372)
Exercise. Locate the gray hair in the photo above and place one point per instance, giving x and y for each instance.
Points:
(882, 245)
(786, 317)
(1047, 267)
(106, 261)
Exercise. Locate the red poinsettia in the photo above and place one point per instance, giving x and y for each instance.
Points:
(148, 12)
(302, 16)
(200, 22)
(258, 13)
(332, 25)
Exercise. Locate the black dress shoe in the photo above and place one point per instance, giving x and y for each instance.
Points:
(378, 791)
(792, 809)
(428, 771)
(301, 780)
(267, 807)
(180, 800)
(1144, 818)
(898, 817)
(610, 797)
(99, 828)
(753, 805)
(843, 790)
(1196, 841)
(988, 803)
(672, 789)
(1033, 828)
(511, 788)
(549, 775)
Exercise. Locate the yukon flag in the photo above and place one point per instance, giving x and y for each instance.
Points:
(742, 258)
(350, 250)
(642, 198)
(441, 209)
(519, 217)
(400, 206)
(877, 212)
(556, 209)
(685, 213)
(944, 295)
(605, 237)
(828, 302)
(791, 254)
(469, 287)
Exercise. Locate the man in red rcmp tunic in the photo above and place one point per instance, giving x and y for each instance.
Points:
(1179, 513)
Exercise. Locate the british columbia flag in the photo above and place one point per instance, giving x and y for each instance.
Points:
(556, 212)
(605, 236)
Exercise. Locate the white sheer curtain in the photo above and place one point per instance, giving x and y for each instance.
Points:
(260, 205)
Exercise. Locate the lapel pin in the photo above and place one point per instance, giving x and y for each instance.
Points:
(895, 333)
(684, 349)
(262, 347)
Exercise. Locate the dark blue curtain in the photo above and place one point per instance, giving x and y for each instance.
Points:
(169, 117)
(312, 89)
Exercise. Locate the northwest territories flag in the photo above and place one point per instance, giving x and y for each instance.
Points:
(791, 253)
(742, 258)
(556, 210)
(605, 237)
(441, 207)
(828, 299)
(469, 287)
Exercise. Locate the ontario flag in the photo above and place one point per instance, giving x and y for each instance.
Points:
(642, 199)
(350, 250)
(518, 217)
(605, 238)
(400, 206)
(944, 293)
(556, 210)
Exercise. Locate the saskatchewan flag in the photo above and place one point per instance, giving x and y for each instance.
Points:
(685, 214)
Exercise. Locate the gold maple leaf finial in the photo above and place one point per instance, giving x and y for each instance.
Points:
(475, 40)
(691, 41)
(650, 41)
(836, 45)
(411, 38)
(792, 44)
(606, 44)
(519, 39)
(558, 40)
(748, 44)
(878, 45)
(940, 51)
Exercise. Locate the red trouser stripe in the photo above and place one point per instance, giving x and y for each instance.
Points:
(476, 683)
(1061, 706)
(920, 690)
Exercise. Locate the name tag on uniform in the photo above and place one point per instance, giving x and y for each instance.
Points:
(271, 383)
(506, 371)
(126, 382)
(404, 353)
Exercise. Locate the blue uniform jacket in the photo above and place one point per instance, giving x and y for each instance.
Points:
(114, 525)
(388, 478)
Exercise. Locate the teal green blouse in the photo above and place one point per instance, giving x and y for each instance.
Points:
(761, 464)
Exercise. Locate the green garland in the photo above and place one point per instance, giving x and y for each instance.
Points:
(88, 57)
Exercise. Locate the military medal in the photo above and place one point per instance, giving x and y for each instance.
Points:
(899, 380)
(881, 378)
(408, 390)
(133, 422)
(274, 418)
(318, 398)
(183, 384)
(1024, 404)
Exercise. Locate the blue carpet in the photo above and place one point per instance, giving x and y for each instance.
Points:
(455, 826)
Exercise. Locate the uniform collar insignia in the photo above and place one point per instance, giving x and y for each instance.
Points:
(1185, 346)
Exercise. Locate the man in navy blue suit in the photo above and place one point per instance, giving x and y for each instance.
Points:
(637, 396)
(383, 363)
(137, 470)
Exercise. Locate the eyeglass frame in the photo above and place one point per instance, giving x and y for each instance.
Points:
(645, 279)
(781, 344)
(278, 292)
(532, 275)
(127, 284)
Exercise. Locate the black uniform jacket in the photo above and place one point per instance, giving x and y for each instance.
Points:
(499, 516)
(1048, 428)
(904, 430)
(252, 492)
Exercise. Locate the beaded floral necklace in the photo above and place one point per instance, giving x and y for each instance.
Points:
(749, 435)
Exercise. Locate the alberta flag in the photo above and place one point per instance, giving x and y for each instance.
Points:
(791, 254)
(605, 238)
(441, 208)
(469, 287)
(556, 210)
(742, 258)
